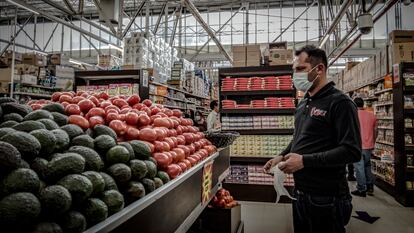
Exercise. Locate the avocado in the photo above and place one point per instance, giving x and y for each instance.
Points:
(47, 141)
(135, 190)
(93, 161)
(141, 149)
(12, 107)
(62, 139)
(104, 130)
(158, 182)
(28, 146)
(73, 222)
(138, 169)
(67, 163)
(20, 180)
(117, 154)
(79, 187)
(7, 100)
(39, 165)
(129, 148)
(55, 200)
(110, 183)
(49, 124)
(29, 126)
(120, 172)
(97, 180)
(13, 117)
(163, 176)
(8, 124)
(10, 157)
(38, 114)
(148, 184)
(4, 131)
(24, 164)
(114, 200)
(152, 169)
(60, 118)
(54, 107)
(19, 208)
(72, 130)
(95, 211)
(47, 227)
(83, 140)
(103, 143)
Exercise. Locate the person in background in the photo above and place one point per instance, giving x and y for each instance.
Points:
(326, 139)
(213, 121)
(368, 122)
(200, 121)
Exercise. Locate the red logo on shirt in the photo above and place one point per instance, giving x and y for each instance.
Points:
(317, 112)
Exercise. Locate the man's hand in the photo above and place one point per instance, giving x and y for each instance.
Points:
(271, 163)
(293, 162)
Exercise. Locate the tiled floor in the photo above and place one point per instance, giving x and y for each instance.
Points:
(277, 218)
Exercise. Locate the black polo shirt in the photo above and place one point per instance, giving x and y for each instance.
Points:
(327, 135)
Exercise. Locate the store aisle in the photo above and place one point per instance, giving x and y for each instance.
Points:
(272, 218)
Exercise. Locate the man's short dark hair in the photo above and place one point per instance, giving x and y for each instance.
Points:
(315, 55)
(359, 102)
(213, 104)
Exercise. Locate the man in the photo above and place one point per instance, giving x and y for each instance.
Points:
(326, 138)
(213, 123)
(368, 122)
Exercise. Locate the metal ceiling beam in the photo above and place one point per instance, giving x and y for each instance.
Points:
(30, 38)
(90, 42)
(95, 25)
(216, 33)
(61, 21)
(136, 25)
(157, 24)
(21, 46)
(57, 6)
(335, 22)
(141, 5)
(50, 37)
(15, 35)
(178, 16)
(69, 6)
(101, 12)
(197, 16)
(294, 21)
(388, 6)
(80, 6)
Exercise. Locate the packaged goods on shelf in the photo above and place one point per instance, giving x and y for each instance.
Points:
(408, 123)
(257, 122)
(8, 57)
(408, 77)
(280, 56)
(410, 160)
(384, 152)
(384, 170)
(257, 83)
(260, 145)
(267, 103)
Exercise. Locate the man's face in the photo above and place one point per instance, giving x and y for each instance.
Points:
(301, 64)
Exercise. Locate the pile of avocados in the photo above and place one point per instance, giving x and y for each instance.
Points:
(56, 177)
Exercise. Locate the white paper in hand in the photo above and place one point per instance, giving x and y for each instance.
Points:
(278, 179)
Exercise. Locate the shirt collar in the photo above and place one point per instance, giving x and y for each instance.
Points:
(322, 92)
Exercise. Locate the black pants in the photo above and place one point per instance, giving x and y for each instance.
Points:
(321, 214)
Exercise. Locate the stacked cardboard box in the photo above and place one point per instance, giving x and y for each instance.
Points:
(34, 59)
(401, 47)
(8, 57)
(239, 55)
(280, 56)
(247, 55)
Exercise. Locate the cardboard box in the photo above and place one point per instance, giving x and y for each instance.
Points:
(401, 52)
(27, 69)
(377, 65)
(4, 87)
(56, 59)
(34, 59)
(28, 79)
(239, 56)
(280, 56)
(239, 63)
(252, 48)
(238, 48)
(349, 65)
(401, 36)
(252, 63)
(113, 90)
(385, 69)
(5, 75)
(66, 84)
(17, 56)
(278, 45)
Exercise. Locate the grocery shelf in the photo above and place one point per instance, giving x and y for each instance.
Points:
(408, 169)
(384, 185)
(259, 92)
(179, 90)
(187, 208)
(37, 86)
(370, 98)
(389, 128)
(262, 131)
(256, 192)
(172, 98)
(33, 94)
(258, 111)
(385, 118)
(409, 111)
(249, 159)
(384, 104)
(174, 107)
(385, 143)
(409, 148)
(383, 91)
(409, 130)
(409, 89)
(257, 71)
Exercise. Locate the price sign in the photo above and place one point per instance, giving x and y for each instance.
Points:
(207, 182)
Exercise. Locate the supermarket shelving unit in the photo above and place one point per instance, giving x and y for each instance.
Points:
(255, 192)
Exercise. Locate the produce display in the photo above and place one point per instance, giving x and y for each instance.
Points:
(223, 200)
(253, 174)
(257, 122)
(257, 83)
(259, 145)
(270, 102)
(69, 163)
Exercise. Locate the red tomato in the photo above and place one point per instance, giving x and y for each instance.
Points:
(126, 107)
(111, 117)
(144, 120)
(146, 110)
(170, 142)
(186, 150)
(192, 148)
(86, 105)
(103, 95)
(65, 104)
(181, 140)
(179, 130)
(131, 118)
(162, 160)
(197, 145)
(124, 111)
(112, 111)
(173, 170)
(72, 109)
(175, 123)
(160, 134)
(36, 106)
(122, 117)
(192, 160)
(159, 146)
(174, 156)
(120, 103)
(168, 112)
(65, 98)
(77, 99)
(79, 120)
(153, 117)
(166, 146)
(56, 96)
(197, 156)
(69, 93)
(170, 157)
(96, 112)
(192, 129)
(133, 99)
(132, 133)
(180, 153)
(161, 114)
(177, 113)
(105, 104)
(118, 126)
(188, 163)
(94, 100)
(183, 166)
(174, 139)
(211, 149)
(161, 122)
(189, 138)
(147, 102)
(112, 107)
(96, 120)
(147, 134)
(173, 132)
(155, 110)
(138, 106)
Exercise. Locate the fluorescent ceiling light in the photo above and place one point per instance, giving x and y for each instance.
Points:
(73, 61)
(120, 49)
(22, 6)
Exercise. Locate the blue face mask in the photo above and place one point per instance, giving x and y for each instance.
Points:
(301, 82)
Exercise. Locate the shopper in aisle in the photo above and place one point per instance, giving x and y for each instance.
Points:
(368, 122)
(326, 139)
(200, 121)
(213, 121)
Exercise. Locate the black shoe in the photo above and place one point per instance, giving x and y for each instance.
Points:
(351, 178)
(359, 193)
(370, 191)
